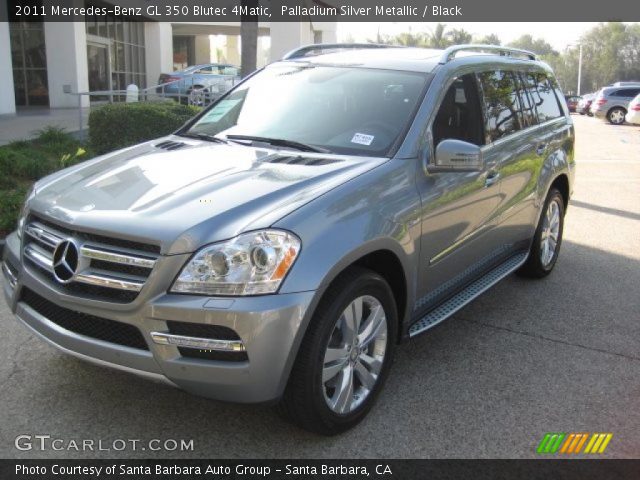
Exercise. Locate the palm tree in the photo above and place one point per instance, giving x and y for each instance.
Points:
(438, 38)
(458, 36)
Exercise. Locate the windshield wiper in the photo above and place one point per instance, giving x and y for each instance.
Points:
(204, 136)
(280, 142)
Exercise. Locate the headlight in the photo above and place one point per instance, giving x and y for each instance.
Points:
(251, 264)
(23, 211)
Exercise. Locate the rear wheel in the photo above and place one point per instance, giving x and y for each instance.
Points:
(345, 355)
(616, 115)
(548, 238)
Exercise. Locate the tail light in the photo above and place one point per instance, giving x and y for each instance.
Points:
(636, 107)
(601, 101)
(164, 78)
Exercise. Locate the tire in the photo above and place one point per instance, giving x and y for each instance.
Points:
(315, 403)
(539, 264)
(196, 96)
(616, 115)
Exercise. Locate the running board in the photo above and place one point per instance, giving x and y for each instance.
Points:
(472, 291)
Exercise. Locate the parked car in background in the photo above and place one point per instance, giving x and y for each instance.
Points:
(633, 111)
(199, 84)
(584, 105)
(572, 102)
(611, 102)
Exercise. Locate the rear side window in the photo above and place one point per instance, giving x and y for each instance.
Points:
(502, 107)
(541, 91)
(529, 114)
(627, 92)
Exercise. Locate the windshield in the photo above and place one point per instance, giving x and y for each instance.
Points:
(343, 110)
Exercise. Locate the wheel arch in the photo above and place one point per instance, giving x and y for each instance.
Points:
(561, 182)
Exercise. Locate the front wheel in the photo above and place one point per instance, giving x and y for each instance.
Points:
(548, 238)
(345, 355)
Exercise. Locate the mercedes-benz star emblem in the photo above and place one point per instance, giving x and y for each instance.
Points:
(65, 261)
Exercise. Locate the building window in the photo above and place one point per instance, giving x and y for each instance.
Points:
(115, 53)
(29, 59)
(184, 52)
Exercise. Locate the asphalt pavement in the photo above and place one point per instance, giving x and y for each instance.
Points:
(527, 358)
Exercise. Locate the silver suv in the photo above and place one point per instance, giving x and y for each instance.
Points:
(281, 244)
(611, 103)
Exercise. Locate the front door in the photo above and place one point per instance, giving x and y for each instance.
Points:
(458, 209)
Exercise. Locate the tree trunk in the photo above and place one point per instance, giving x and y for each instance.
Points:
(249, 39)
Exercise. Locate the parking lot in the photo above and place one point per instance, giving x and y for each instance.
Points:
(529, 357)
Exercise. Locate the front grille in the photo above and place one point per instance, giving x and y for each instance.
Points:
(199, 330)
(108, 269)
(85, 324)
(93, 238)
(91, 292)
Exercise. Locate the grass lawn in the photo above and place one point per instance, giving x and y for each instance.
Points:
(24, 162)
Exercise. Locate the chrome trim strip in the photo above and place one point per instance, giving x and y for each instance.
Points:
(11, 278)
(113, 257)
(42, 260)
(39, 232)
(198, 343)
(110, 282)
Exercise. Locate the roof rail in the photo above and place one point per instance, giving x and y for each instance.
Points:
(320, 47)
(450, 53)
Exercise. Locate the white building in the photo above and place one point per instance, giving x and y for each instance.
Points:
(40, 63)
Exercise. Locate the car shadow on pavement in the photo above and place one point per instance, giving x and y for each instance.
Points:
(607, 210)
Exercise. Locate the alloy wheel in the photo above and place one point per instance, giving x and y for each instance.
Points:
(354, 355)
(550, 233)
(616, 117)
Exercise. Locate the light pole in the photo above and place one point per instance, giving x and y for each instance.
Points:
(579, 68)
(579, 45)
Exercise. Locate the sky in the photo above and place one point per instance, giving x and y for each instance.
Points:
(559, 35)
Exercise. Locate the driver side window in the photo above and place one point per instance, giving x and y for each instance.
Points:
(459, 116)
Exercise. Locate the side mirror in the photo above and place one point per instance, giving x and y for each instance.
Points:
(456, 156)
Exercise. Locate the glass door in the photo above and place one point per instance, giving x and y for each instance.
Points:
(99, 66)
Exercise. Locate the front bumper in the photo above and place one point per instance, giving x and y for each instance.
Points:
(270, 328)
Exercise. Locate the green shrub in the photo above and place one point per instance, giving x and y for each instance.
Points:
(10, 206)
(120, 125)
(25, 161)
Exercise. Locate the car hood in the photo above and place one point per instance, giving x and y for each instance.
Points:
(181, 193)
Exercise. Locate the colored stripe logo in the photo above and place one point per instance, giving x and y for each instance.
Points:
(573, 443)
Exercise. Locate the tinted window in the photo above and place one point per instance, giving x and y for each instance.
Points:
(502, 108)
(459, 116)
(628, 92)
(541, 91)
(529, 115)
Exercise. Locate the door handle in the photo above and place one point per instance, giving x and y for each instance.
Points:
(540, 149)
(492, 178)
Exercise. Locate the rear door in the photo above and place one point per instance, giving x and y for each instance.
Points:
(543, 132)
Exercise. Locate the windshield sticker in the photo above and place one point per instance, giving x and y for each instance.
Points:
(362, 139)
(219, 111)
